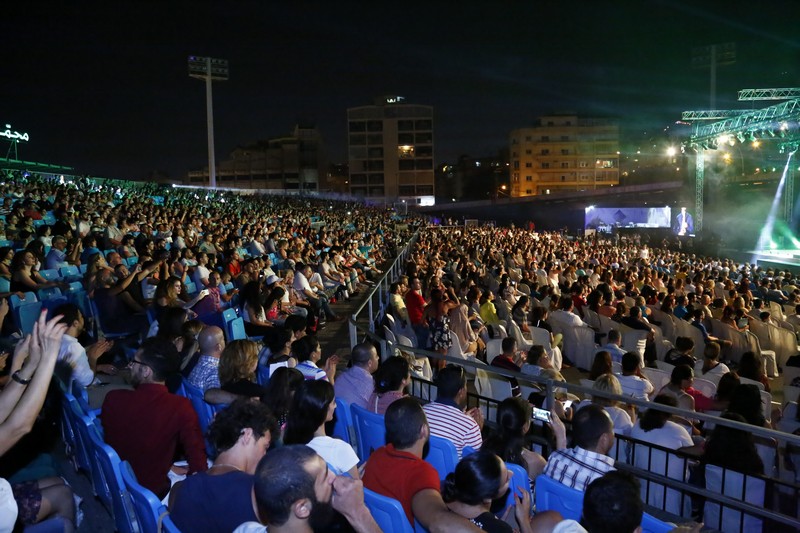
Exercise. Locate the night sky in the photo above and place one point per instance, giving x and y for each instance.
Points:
(103, 87)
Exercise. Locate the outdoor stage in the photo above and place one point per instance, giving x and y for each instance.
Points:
(784, 257)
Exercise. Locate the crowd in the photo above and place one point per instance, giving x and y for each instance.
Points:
(162, 266)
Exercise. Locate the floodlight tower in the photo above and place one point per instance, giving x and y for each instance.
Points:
(208, 69)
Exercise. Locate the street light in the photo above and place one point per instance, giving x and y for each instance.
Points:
(208, 69)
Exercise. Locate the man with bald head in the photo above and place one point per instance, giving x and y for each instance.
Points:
(355, 385)
(205, 374)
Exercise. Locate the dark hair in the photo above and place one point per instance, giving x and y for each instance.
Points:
(161, 356)
(361, 354)
(612, 504)
(276, 294)
(295, 323)
(404, 420)
(746, 401)
(750, 366)
(279, 340)
(280, 389)
(170, 323)
(309, 411)
(684, 344)
(732, 448)
(450, 380)
(391, 374)
(535, 352)
(304, 347)
(508, 344)
(614, 335)
(228, 424)
(280, 480)
(477, 477)
(589, 424)
(601, 365)
(512, 415)
(680, 373)
(630, 361)
(654, 418)
(251, 296)
(727, 384)
(69, 313)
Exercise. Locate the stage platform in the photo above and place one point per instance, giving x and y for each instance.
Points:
(777, 257)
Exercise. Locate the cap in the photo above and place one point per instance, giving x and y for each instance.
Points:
(272, 279)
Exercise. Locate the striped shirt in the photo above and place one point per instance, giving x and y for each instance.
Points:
(576, 467)
(454, 425)
(311, 371)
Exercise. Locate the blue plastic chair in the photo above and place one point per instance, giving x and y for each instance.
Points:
(467, 450)
(262, 375)
(191, 288)
(50, 274)
(49, 292)
(74, 286)
(81, 396)
(94, 313)
(112, 491)
(554, 496)
(205, 411)
(26, 316)
(370, 431)
(70, 272)
(343, 428)
(387, 512)
(83, 428)
(236, 330)
(651, 524)
(131, 261)
(442, 456)
(27, 298)
(146, 506)
(229, 315)
(5, 285)
(519, 482)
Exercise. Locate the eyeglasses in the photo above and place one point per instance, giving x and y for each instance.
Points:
(135, 362)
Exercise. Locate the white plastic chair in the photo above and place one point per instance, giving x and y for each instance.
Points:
(657, 377)
(748, 381)
(493, 348)
(666, 367)
(706, 387)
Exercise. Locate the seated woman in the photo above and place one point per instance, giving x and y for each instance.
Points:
(253, 312)
(237, 369)
(520, 311)
(278, 395)
(168, 295)
(391, 380)
(601, 365)
(681, 354)
(312, 406)
(751, 366)
(732, 449)
(308, 352)
(711, 368)
(478, 479)
(219, 499)
(623, 415)
(24, 278)
(513, 423)
(273, 304)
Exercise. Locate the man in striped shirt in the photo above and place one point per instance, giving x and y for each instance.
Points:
(593, 434)
(446, 416)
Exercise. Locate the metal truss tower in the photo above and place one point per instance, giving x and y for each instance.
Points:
(779, 120)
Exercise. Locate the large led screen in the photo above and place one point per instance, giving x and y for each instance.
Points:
(605, 219)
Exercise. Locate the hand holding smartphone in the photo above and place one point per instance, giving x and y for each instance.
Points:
(542, 415)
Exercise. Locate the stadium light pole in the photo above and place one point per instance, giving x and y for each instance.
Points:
(209, 69)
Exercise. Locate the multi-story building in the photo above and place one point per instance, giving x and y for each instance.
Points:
(390, 151)
(294, 162)
(564, 152)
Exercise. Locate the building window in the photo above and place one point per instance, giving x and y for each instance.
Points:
(424, 151)
(376, 152)
(528, 151)
(583, 164)
(565, 151)
(358, 126)
(528, 164)
(516, 165)
(406, 190)
(563, 178)
(424, 125)
(358, 140)
(528, 138)
(375, 138)
(424, 190)
(358, 179)
(565, 137)
(545, 165)
(405, 138)
(405, 125)
(545, 151)
(545, 138)
(423, 138)
(528, 178)
(424, 164)
(528, 191)
(564, 164)
(405, 164)
(405, 151)
(375, 125)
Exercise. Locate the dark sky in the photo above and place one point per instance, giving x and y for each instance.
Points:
(104, 86)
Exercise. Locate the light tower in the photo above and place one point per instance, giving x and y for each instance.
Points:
(208, 69)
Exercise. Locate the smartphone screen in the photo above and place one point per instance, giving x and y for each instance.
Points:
(567, 404)
(542, 415)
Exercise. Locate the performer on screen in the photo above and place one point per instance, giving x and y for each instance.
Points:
(684, 224)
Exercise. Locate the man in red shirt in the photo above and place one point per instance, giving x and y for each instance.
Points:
(415, 304)
(146, 426)
(398, 471)
(508, 360)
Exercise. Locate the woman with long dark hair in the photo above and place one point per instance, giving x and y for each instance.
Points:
(253, 312)
(478, 479)
(312, 406)
(733, 449)
(279, 392)
(391, 380)
(513, 423)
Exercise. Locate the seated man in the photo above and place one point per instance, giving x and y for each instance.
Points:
(509, 360)
(593, 435)
(613, 346)
(613, 503)
(446, 416)
(355, 385)
(205, 374)
(57, 257)
(632, 381)
(146, 426)
(119, 311)
(74, 361)
(295, 492)
(398, 471)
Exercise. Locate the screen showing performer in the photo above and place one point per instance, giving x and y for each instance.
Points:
(684, 223)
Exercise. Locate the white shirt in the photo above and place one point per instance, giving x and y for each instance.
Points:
(200, 273)
(635, 386)
(73, 363)
(337, 453)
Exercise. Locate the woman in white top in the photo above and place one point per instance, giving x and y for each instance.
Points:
(710, 368)
(312, 406)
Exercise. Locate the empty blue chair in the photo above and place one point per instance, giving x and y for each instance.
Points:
(5, 285)
(83, 268)
(228, 315)
(81, 396)
(132, 260)
(81, 425)
(262, 375)
(147, 508)
(70, 272)
(49, 292)
(343, 428)
(236, 330)
(387, 512)
(27, 315)
(370, 431)
(442, 456)
(111, 490)
(94, 313)
(27, 298)
(74, 286)
(50, 274)
(554, 496)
